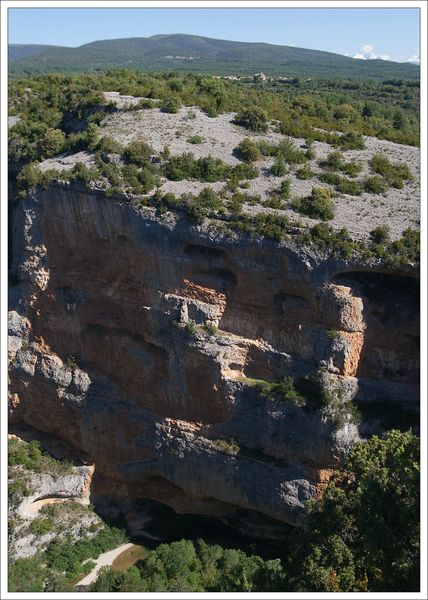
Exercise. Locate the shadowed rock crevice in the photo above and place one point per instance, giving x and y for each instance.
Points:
(390, 303)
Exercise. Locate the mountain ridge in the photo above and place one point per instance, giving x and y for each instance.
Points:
(170, 52)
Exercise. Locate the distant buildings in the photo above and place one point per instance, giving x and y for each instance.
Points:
(260, 77)
(181, 57)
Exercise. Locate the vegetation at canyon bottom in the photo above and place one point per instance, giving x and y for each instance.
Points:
(363, 535)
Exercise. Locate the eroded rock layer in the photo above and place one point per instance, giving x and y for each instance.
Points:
(103, 357)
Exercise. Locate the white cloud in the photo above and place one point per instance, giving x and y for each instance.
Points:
(413, 59)
(367, 52)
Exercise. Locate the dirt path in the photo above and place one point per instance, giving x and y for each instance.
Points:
(104, 560)
(31, 509)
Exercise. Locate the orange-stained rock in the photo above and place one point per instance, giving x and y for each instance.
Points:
(354, 345)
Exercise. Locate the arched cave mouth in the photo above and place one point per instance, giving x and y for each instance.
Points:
(204, 252)
(221, 280)
(377, 286)
(245, 529)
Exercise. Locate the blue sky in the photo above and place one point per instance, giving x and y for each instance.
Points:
(388, 33)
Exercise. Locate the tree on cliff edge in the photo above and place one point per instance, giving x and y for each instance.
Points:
(364, 532)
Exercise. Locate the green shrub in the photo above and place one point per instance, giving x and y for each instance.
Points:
(279, 167)
(374, 185)
(381, 165)
(207, 198)
(147, 180)
(40, 526)
(346, 186)
(191, 327)
(285, 389)
(19, 489)
(407, 249)
(248, 150)
(317, 206)
(165, 153)
(305, 173)
(52, 143)
(351, 141)
(333, 161)
(288, 150)
(70, 364)
(341, 184)
(196, 139)
(265, 225)
(83, 174)
(396, 182)
(254, 119)
(108, 145)
(274, 201)
(330, 178)
(180, 167)
(91, 137)
(109, 170)
(343, 111)
(352, 169)
(171, 105)
(138, 152)
(211, 169)
(235, 204)
(33, 457)
(185, 166)
(130, 174)
(380, 235)
(310, 154)
(210, 329)
(29, 178)
(244, 171)
(285, 188)
(210, 110)
(266, 148)
(196, 214)
(229, 445)
(145, 103)
(240, 198)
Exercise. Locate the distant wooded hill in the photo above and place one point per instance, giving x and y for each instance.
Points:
(203, 55)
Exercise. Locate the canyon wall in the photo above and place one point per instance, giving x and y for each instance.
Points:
(109, 353)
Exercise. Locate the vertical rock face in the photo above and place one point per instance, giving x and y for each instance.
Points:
(108, 352)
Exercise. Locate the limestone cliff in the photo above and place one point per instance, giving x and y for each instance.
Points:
(100, 355)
